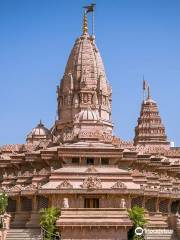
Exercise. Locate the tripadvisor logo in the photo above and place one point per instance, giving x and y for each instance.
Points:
(139, 231)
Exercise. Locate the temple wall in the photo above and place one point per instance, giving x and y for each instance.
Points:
(101, 233)
(77, 201)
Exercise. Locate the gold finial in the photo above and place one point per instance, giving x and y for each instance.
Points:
(85, 24)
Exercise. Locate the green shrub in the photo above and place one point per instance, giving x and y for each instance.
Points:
(3, 205)
(136, 214)
(3, 202)
(48, 221)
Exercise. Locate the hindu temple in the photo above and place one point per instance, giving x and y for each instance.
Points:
(82, 168)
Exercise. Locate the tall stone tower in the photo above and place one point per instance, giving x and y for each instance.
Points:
(150, 129)
(84, 95)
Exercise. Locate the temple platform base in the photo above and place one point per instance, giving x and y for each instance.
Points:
(101, 224)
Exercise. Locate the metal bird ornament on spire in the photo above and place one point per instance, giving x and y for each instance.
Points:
(88, 9)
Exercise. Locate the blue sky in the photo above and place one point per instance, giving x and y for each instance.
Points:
(134, 37)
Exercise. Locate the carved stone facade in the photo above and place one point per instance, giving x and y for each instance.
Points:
(91, 183)
(81, 168)
(84, 95)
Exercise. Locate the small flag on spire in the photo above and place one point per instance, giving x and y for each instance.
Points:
(90, 8)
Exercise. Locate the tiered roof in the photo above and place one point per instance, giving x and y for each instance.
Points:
(150, 129)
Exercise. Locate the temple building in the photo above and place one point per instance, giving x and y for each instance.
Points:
(80, 167)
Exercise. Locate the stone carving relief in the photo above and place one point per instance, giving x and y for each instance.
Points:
(119, 184)
(32, 186)
(178, 218)
(67, 135)
(89, 134)
(123, 203)
(43, 171)
(5, 175)
(95, 99)
(27, 174)
(91, 183)
(76, 100)
(65, 203)
(107, 137)
(5, 220)
(64, 184)
(16, 188)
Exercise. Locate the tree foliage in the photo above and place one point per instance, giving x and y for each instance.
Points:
(3, 203)
(136, 214)
(48, 221)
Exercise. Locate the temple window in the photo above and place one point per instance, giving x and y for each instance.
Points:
(11, 205)
(90, 161)
(138, 201)
(150, 205)
(105, 161)
(75, 160)
(91, 203)
(163, 206)
(43, 202)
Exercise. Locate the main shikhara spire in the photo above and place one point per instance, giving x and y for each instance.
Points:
(84, 94)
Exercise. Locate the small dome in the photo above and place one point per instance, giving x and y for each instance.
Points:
(87, 115)
(40, 132)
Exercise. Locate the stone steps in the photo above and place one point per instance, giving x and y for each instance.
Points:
(159, 236)
(23, 234)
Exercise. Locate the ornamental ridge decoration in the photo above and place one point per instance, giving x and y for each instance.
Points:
(91, 183)
(119, 185)
(32, 186)
(64, 184)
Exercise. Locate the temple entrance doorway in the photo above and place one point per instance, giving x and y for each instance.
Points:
(26, 204)
(91, 203)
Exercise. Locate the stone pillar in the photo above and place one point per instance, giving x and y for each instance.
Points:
(18, 202)
(129, 202)
(102, 203)
(178, 207)
(169, 206)
(53, 201)
(34, 203)
(143, 202)
(81, 201)
(157, 205)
